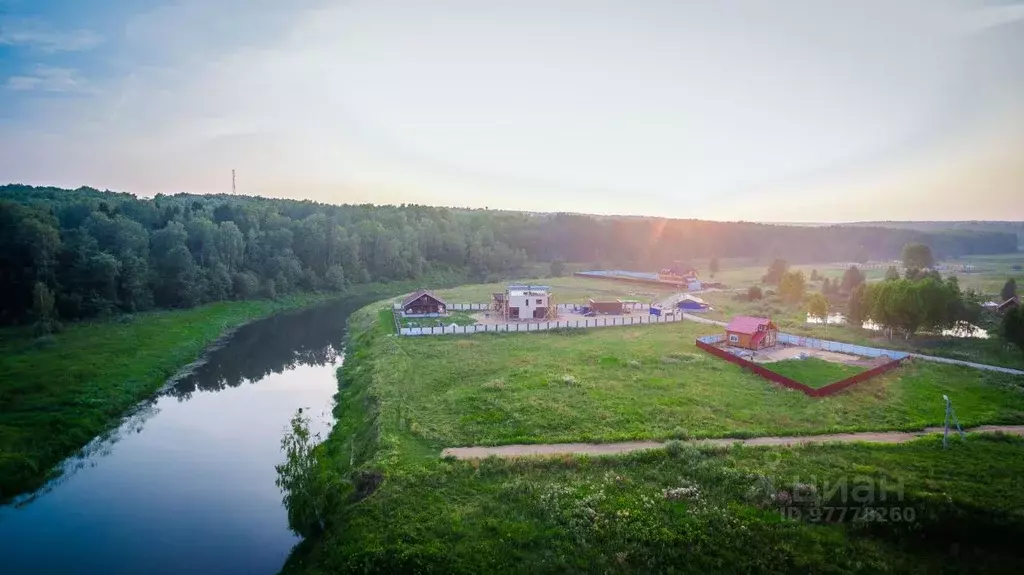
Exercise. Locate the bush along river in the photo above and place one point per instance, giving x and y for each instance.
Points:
(186, 483)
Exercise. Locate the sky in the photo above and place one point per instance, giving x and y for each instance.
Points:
(790, 110)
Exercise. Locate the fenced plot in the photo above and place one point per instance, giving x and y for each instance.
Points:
(711, 345)
(543, 325)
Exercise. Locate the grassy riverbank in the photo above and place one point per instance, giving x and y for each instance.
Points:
(60, 392)
(403, 399)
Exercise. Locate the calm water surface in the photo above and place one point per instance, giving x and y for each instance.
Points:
(186, 485)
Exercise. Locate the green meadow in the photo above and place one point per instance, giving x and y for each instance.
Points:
(402, 508)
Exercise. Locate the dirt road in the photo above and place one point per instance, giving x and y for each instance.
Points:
(510, 451)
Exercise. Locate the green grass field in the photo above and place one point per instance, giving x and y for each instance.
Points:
(813, 372)
(647, 383)
(683, 508)
(56, 395)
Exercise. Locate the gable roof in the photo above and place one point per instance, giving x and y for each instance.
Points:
(746, 324)
(418, 294)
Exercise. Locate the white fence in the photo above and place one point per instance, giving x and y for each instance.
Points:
(822, 344)
(485, 307)
(590, 322)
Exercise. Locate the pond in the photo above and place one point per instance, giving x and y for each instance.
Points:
(186, 484)
(968, 330)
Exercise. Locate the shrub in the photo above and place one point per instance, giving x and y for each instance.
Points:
(754, 293)
(680, 433)
(674, 447)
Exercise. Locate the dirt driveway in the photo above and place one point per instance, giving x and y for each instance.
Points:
(512, 451)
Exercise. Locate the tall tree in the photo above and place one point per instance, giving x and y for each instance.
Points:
(858, 305)
(817, 307)
(1012, 327)
(775, 271)
(852, 278)
(792, 286)
(1009, 289)
(917, 256)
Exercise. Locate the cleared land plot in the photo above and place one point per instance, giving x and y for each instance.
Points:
(647, 382)
(814, 372)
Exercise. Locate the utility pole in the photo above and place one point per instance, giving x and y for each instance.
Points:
(232, 181)
(950, 414)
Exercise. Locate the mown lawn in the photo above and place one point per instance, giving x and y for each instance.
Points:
(57, 393)
(646, 382)
(813, 372)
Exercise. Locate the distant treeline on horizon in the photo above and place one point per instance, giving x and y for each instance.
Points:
(93, 253)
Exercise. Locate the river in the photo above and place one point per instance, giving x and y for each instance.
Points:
(186, 484)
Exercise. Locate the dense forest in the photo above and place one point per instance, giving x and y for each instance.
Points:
(72, 254)
(1016, 228)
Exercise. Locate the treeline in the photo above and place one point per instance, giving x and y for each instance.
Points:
(83, 253)
(923, 303)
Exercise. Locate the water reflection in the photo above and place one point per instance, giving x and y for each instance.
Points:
(281, 343)
(186, 484)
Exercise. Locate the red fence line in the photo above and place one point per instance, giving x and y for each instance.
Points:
(784, 381)
(855, 379)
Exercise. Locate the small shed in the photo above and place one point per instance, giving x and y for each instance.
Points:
(611, 307)
(423, 302)
(751, 332)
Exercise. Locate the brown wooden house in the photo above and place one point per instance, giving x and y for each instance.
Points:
(423, 302)
(751, 332)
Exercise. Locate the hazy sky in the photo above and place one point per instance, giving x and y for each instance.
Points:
(774, 111)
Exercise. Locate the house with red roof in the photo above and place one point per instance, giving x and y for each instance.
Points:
(751, 332)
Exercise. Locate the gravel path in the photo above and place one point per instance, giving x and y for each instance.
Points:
(510, 451)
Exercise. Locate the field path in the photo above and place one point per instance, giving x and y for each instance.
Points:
(510, 451)
(698, 319)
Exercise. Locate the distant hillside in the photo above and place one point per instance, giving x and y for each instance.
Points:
(974, 226)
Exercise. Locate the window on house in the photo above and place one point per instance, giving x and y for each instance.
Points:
(733, 338)
(538, 302)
